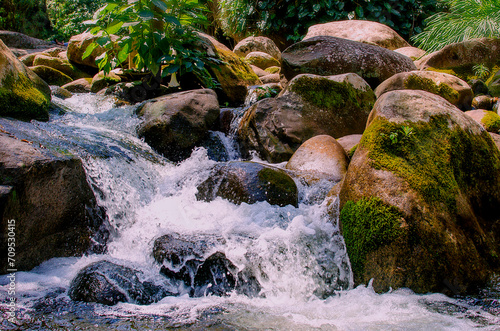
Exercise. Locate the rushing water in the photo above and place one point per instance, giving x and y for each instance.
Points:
(304, 269)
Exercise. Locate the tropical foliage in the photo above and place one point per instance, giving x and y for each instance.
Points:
(292, 17)
(463, 20)
(155, 36)
(26, 16)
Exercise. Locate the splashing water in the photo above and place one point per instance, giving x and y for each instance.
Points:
(297, 254)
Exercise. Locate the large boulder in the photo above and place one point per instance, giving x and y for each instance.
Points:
(78, 45)
(51, 76)
(460, 57)
(53, 206)
(20, 40)
(310, 105)
(420, 202)
(108, 283)
(261, 60)
(249, 182)
(59, 64)
(413, 53)
(257, 44)
(448, 86)
(318, 158)
(325, 55)
(23, 95)
(372, 33)
(233, 74)
(175, 123)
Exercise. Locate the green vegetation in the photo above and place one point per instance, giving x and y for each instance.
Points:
(491, 122)
(26, 16)
(290, 19)
(416, 82)
(155, 36)
(462, 20)
(367, 225)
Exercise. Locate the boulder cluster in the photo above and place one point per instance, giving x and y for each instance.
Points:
(409, 141)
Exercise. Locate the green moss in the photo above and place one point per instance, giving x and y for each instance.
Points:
(352, 151)
(280, 188)
(435, 161)
(491, 122)
(368, 225)
(20, 99)
(416, 82)
(273, 70)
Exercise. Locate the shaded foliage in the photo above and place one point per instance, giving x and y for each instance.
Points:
(25, 16)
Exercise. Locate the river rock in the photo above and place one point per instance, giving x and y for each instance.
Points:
(20, 40)
(29, 58)
(257, 44)
(59, 64)
(216, 276)
(372, 33)
(174, 124)
(463, 55)
(52, 203)
(51, 76)
(23, 95)
(261, 60)
(496, 139)
(413, 53)
(81, 85)
(109, 283)
(489, 120)
(60, 92)
(326, 55)
(482, 102)
(349, 142)
(233, 74)
(421, 198)
(319, 157)
(448, 86)
(310, 105)
(249, 182)
(478, 86)
(78, 45)
(494, 84)
(258, 71)
(102, 80)
(270, 79)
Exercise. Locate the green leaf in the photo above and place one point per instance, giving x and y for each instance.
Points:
(89, 50)
(123, 53)
(359, 12)
(114, 27)
(160, 4)
(173, 68)
(103, 40)
(146, 14)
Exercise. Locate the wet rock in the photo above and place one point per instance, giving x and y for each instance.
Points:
(216, 276)
(81, 85)
(372, 33)
(318, 158)
(310, 105)
(452, 88)
(325, 56)
(249, 182)
(257, 44)
(482, 102)
(51, 76)
(54, 207)
(60, 92)
(23, 95)
(108, 283)
(261, 60)
(489, 120)
(174, 124)
(421, 198)
(102, 80)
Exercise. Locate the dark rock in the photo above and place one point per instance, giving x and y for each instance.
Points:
(52, 203)
(20, 40)
(482, 102)
(249, 182)
(60, 92)
(247, 283)
(215, 148)
(216, 276)
(108, 283)
(478, 87)
(174, 124)
(332, 56)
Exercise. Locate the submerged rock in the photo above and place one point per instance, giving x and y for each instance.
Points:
(325, 55)
(108, 283)
(249, 182)
(52, 203)
(215, 276)
(23, 95)
(311, 105)
(372, 33)
(421, 198)
(174, 124)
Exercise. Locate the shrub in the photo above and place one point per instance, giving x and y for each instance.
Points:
(463, 20)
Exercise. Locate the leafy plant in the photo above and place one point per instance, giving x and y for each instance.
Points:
(25, 16)
(399, 136)
(266, 92)
(154, 36)
(481, 71)
(463, 20)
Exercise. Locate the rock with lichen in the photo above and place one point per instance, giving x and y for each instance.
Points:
(489, 120)
(421, 198)
(325, 55)
(51, 76)
(452, 88)
(23, 95)
(311, 105)
(257, 44)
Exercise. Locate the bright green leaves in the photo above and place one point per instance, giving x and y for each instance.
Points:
(150, 35)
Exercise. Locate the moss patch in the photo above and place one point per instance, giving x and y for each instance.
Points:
(491, 122)
(280, 188)
(368, 225)
(21, 100)
(415, 82)
(435, 161)
(328, 94)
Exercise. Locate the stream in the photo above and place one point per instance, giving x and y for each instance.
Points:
(304, 270)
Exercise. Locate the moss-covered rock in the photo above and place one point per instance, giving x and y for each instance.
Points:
(23, 95)
(488, 119)
(261, 60)
(249, 182)
(59, 64)
(494, 84)
(483, 102)
(452, 88)
(257, 44)
(311, 105)
(51, 76)
(434, 175)
(102, 80)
